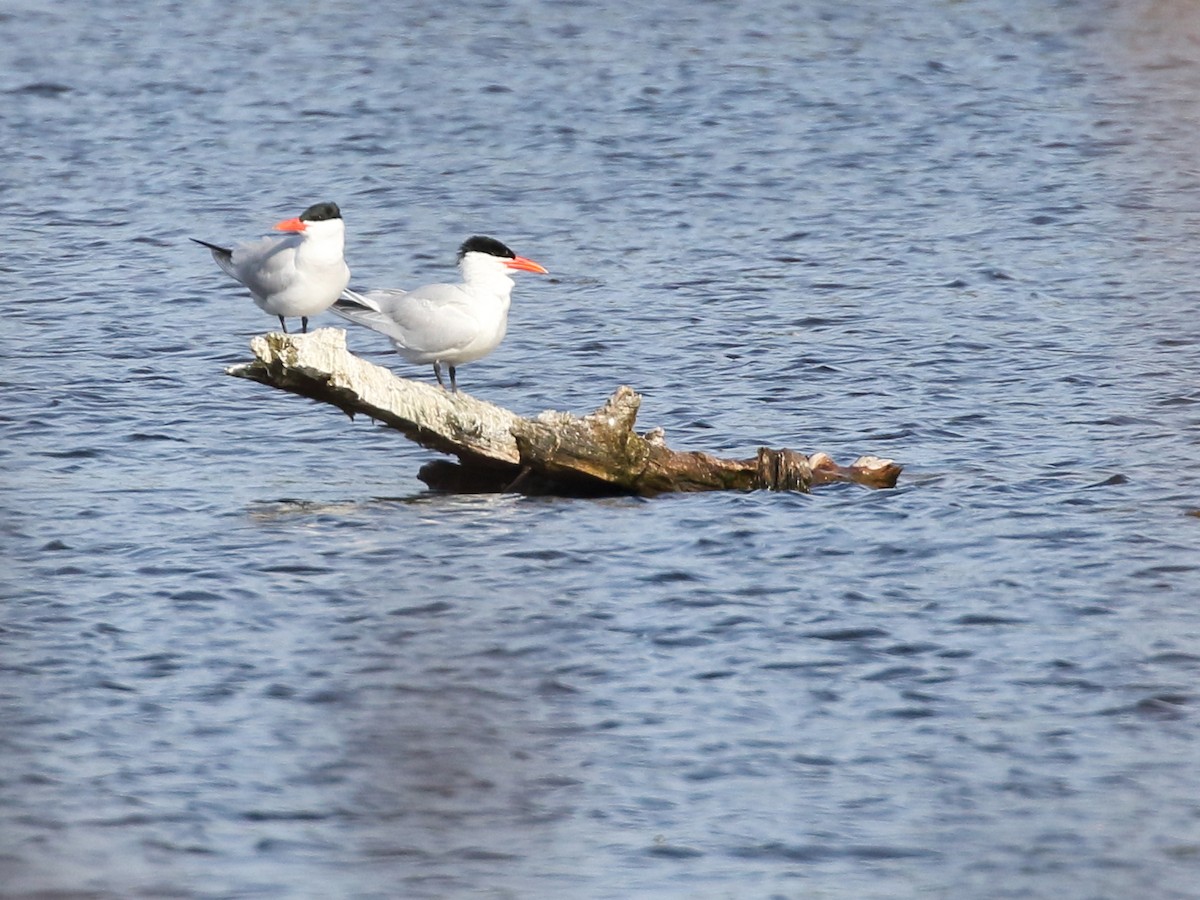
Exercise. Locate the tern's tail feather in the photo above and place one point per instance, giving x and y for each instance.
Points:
(223, 255)
(365, 310)
(352, 301)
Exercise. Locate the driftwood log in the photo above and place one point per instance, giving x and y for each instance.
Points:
(553, 452)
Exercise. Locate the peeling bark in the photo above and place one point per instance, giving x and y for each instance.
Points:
(554, 452)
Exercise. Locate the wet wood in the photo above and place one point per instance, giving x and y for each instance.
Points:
(553, 452)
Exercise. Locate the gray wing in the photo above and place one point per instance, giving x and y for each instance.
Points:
(427, 322)
(266, 266)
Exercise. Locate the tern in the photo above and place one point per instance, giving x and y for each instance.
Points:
(300, 273)
(446, 324)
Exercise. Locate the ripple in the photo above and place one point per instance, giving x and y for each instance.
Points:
(987, 619)
(848, 634)
(41, 89)
(673, 851)
(813, 853)
(438, 606)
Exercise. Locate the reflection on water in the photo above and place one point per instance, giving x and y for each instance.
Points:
(246, 653)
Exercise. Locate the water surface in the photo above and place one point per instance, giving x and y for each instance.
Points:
(245, 653)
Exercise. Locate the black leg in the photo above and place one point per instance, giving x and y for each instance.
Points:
(453, 381)
(437, 370)
(304, 324)
(283, 324)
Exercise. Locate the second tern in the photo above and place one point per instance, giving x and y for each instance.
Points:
(300, 273)
(446, 324)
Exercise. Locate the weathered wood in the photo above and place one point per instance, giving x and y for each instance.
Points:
(554, 452)
(318, 366)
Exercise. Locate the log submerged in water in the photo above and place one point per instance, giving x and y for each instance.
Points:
(551, 453)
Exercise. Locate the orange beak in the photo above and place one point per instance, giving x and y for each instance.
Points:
(291, 225)
(521, 263)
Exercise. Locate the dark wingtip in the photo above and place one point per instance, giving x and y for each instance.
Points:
(213, 247)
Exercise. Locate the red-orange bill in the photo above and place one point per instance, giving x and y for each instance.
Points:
(525, 265)
(290, 225)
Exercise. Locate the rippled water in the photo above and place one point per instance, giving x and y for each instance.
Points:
(245, 654)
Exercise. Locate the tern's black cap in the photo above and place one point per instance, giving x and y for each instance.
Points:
(319, 212)
(481, 244)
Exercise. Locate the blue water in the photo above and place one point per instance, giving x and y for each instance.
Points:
(243, 651)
